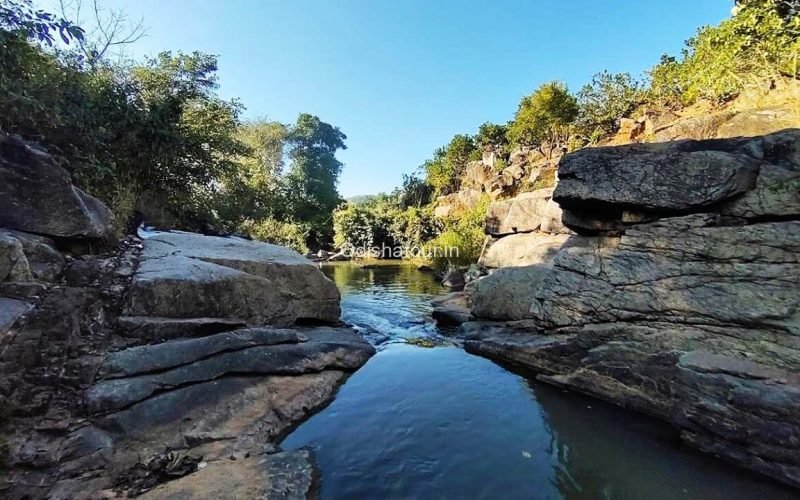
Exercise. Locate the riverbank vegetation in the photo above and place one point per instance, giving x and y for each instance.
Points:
(755, 48)
(154, 135)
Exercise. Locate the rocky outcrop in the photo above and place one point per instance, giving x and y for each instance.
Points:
(523, 249)
(524, 230)
(451, 309)
(610, 187)
(688, 311)
(457, 203)
(525, 213)
(185, 275)
(164, 344)
(28, 177)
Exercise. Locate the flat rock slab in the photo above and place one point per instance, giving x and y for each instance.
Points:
(327, 348)
(158, 357)
(156, 329)
(288, 475)
(185, 275)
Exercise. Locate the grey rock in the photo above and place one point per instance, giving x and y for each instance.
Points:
(451, 309)
(688, 319)
(184, 275)
(28, 176)
(44, 260)
(523, 249)
(10, 311)
(327, 348)
(672, 177)
(288, 475)
(681, 269)
(13, 263)
(527, 212)
(506, 293)
(776, 194)
(157, 357)
(453, 279)
(159, 329)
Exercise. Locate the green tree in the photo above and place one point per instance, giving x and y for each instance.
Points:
(544, 118)
(605, 100)
(252, 190)
(759, 43)
(445, 169)
(310, 187)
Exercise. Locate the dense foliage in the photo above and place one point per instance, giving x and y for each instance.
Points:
(544, 117)
(444, 170)
(760, 42)
(462, 239)
(157, 130)
(605, 100)
(383, 223)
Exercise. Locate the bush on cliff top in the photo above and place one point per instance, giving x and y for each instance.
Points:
(761, 41)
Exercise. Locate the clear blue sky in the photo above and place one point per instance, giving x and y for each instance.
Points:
(401, 77)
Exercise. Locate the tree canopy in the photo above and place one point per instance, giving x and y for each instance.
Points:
(544, 117)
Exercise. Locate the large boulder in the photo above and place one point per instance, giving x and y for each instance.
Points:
(506, 293)
(674, 177)
(527, 212)
(523, 249)
(37, 196)
(605, 189)
(185, 275)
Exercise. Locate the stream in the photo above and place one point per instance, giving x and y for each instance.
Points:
(436, 422)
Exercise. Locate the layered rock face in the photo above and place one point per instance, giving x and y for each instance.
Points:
(525, 230)
(682, 297)
(161, 359)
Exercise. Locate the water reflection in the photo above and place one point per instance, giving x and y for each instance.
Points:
(440, 423)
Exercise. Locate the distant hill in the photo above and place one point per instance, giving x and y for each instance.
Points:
(359, 199)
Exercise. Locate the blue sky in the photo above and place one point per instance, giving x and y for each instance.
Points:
(401, 77)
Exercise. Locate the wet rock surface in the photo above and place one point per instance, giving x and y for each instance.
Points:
(690, 317)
